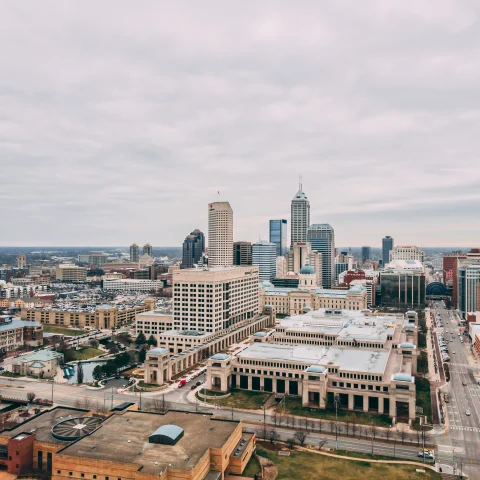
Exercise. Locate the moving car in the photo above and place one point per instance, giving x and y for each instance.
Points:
(182, 383)
(467, 412)
(464, 383)
(426, 454)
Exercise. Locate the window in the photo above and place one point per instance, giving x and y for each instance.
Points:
(58, 471)
(70, 473)
(82, 475)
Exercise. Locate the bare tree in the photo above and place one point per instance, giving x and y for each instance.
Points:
(30, 396)
(386, 433)
(305, 422)
(275, 417)
(354, 428)
(291, 442)
(86, 403)
(417, 432)
(373, 431)
(300, 437)
(273, 435)
(320, 425)
(321, 443)
(347, 425)
(402, 432)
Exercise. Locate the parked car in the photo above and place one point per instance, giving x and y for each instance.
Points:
(426, 454)
(467, 413)
(182, 383)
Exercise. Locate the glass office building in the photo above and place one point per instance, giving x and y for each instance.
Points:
(278, 236)
(402, 290)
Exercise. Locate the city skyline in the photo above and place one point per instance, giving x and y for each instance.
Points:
(146, 112)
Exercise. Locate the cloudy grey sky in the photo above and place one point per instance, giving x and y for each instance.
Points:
(120, 121)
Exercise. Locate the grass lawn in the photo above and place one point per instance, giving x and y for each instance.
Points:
(252, 468)
(148, 386)
(62, 330)
(294, 407)
(241, 399)
(85, 354)
(311, 466)
(423, 396)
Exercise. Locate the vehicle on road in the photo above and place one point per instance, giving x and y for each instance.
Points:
(453, 352)
(181, 383)
(426, 454)
(464, 383)
(467, 413)
(446, 398)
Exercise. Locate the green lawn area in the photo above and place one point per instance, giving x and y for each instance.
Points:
(84, 354)
(423, 396)
(241, 399)
(422, 365)
(294, 407)
(62, 330)
(252, 468)
(148, 386)
(311, 466)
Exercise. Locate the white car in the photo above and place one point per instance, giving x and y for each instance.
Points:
(467, 413)
(426, 454)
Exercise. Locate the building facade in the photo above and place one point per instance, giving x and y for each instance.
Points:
(264, 256)
(15, 333)
(70, 273)
(321, 236)
(407, 253)
(212, 299)
(193, 247)
(387, 247)
(242, 253)
(300, 217)
(220, 234)
(134, 253)
(133, 285)
(365, 254)
(278, 236)
(468, 282)
(148, 250)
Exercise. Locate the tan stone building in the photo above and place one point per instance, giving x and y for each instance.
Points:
(69, 443)
(102, 317)
(220, 234)
(70, 273)
(369, 361)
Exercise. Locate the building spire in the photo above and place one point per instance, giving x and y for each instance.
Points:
(300, 183)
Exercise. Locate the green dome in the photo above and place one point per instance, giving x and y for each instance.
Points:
(307, 270)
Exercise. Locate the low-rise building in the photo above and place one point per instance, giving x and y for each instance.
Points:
(40, 364)
(369, 361)
(132, 285)
(16, 333)
(153, 322)
(66, 272)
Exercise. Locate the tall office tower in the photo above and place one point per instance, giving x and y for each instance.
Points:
(220, 234)
(21, 261)
(134, 253)
(365, 254)
(387, 246)
(407, 253)
(468, 281)
(147, 250)
(242, 253)
(193, 247)
(264, 255)
(300, 217)
(213, 299)
(322, 238)
(278, 236)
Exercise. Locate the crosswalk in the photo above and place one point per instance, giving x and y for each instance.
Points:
(467, 365)
(464, 429)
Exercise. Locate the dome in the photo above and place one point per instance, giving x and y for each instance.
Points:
(307, 270)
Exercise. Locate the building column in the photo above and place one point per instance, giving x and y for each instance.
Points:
(393, 409)
(249, 382)
(380, 405)
(365, 403)
(350, 401)
(262, 382)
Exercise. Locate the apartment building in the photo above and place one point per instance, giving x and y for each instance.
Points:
(370, 362)
(101, 317)
(70, 273)
(213, 299)
(15, 333)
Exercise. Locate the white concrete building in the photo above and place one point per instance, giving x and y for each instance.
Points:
(153, 322)
(407, 253)
(220, 234)
(132, 285)
(264, 255)
(66, 272)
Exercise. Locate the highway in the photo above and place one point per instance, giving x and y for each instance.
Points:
(461, 442)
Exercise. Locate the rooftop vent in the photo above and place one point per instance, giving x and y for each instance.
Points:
(166, 435)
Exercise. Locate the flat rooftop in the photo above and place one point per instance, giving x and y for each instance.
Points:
(124, 438)
(43, 423)
(345, 358)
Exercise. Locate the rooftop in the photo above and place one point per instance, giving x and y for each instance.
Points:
(349, 359)
(124, 439)
(41, 356)
(17, 324)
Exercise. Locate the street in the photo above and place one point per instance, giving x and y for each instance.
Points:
(460, 444)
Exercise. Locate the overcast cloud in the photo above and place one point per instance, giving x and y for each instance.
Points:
(120, 121)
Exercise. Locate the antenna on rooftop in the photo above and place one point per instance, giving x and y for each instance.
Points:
(300, 183)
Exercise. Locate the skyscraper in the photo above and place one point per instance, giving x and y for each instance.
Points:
(193, 247)
(387, 246)
(322, 238)
(21, 260)
(300, 217)
(278, 235)
(147, 249)
(365, 254)
(220, 234)
(242, 253)
(264, 255)
(134, 252)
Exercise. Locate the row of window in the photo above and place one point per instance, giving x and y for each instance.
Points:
(378, 388)
(82, 475)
